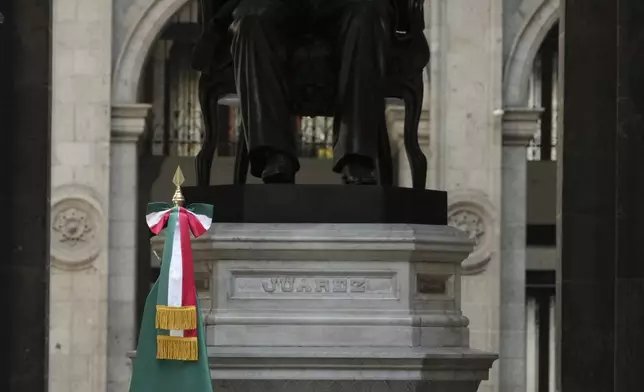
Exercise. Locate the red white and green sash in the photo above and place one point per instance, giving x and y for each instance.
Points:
(176, 309)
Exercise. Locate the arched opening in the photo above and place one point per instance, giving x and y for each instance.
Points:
(543, 88)
(540, 232)
(525, 49)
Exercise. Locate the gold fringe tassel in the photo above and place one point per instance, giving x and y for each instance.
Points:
(177, 348)
(176, 318)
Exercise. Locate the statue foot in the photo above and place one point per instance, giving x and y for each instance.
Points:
(279, 169)
(359, 171)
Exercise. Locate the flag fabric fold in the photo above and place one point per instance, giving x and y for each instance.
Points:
(172, 342)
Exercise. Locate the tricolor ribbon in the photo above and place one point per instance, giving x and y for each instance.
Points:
(176, 309)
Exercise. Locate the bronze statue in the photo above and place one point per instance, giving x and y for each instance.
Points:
(356, 30)
(311, 57)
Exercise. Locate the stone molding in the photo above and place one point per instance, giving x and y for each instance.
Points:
(450, 364)
(344, 385)
(520, 125)
(258, 241)
(76, 230)
(472, 213)
(312, 320)
(377, 363)
(129, 122)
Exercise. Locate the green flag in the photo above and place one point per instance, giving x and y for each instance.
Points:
(157, 375)
(171, 354)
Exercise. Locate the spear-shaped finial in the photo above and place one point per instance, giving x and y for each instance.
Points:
(178, 180)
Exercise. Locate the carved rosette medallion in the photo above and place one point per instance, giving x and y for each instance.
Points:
(473, 217)
(75, 233)
(470, 222)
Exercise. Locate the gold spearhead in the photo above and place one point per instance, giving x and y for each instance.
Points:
(178, 180)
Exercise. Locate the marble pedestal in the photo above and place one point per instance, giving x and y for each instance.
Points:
(336, 307)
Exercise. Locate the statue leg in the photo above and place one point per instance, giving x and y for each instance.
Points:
(360, 30)
(258, 50)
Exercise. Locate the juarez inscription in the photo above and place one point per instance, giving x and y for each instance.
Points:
(317, 285)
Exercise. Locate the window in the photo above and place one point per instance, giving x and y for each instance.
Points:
(543, 93)
(540, 331)
(185, 123)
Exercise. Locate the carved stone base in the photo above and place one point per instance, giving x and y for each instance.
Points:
(334, 368)
(344, 386)
(378, 303)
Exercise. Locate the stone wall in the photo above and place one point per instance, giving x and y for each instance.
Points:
(80, 164)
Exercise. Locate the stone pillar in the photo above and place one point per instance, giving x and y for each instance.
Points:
(600, 283)
(519, 126)
(25, 37)
(465, 159)
(128, 123)
(80, 165)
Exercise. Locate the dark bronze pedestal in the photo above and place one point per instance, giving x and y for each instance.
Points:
(322, 204)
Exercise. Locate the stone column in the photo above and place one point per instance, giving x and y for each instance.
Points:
(80, 164)
(519, 126)
(128, 123)
(465, 159)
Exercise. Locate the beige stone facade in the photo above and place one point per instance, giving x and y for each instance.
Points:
(477, 123)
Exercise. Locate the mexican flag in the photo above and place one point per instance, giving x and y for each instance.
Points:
(171, 354)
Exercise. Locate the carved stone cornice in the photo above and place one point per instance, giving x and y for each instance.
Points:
(129, 122)
(520, 125)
